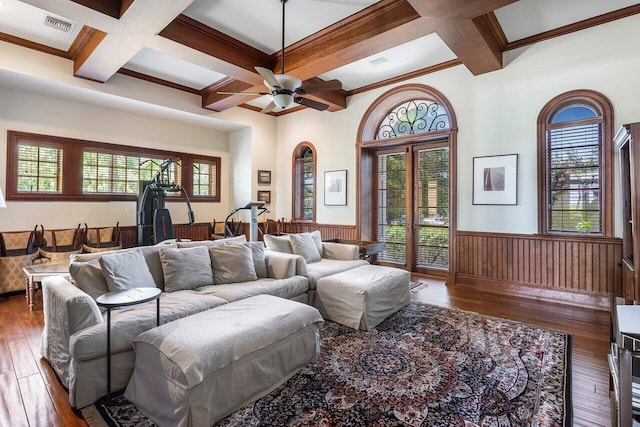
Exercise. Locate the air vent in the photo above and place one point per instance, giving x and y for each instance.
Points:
(58, 24)
(378, 61)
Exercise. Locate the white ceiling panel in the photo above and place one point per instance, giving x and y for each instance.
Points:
(526, 18)
(414, 55)
(259, 22)
(27, 22)
(170, 68)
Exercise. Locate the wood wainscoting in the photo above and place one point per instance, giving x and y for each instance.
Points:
(328, 231)
(197, 231)
(202, 231)
(555, 268)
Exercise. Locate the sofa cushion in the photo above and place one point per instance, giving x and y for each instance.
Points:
(327, 267)
(283, 288)
(129, 322)
(303, 244)
(126, 270)
(89, 278)
(186, 268)
(278, 243)
(232, 264)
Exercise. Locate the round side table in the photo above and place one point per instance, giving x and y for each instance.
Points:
(122, 299)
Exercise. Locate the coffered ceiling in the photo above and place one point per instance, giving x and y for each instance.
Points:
(208, 46)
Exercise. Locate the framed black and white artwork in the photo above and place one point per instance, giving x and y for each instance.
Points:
(335, 188)
(495, 180)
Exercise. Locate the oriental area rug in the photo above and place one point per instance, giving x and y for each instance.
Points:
(424, 366)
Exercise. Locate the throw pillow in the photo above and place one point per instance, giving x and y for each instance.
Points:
(278, 243)
(232, 264)
(86, 249)
(195, 243)
(126, 270)
(317, 239)
(259, 261)
(302, 244)
(235, 240)
(186, 268)
(88, 277)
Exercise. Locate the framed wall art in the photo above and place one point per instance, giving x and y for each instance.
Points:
(335, 188)
(495, 180)
(264, 196)
(264, 177)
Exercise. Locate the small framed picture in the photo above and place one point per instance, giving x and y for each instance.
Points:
(264, 196)
(264, 177)
(335, 188)
(495, 180)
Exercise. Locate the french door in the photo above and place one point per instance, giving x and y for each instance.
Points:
(412, 206)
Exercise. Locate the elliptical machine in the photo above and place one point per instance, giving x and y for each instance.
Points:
(153, 219)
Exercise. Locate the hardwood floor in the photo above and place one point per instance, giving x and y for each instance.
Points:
(31, 394)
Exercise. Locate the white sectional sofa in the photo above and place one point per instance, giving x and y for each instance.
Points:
(74, 335)
(314, 258)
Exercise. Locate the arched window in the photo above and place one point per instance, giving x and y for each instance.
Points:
(304, 182)
(575, 168)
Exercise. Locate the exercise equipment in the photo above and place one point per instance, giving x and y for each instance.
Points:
(153, 219)
(253, 226)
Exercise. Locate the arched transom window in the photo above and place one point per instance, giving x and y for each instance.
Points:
(415, 116)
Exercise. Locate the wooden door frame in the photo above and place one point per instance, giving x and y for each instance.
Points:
(367, 145)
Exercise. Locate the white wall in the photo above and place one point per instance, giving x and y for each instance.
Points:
(258, 153)
(27, 112)
(496, 113)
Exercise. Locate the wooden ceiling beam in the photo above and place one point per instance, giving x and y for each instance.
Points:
(212, 100)
(241, 57)
(378, 27)
(111, 8)
(458, 9)
(474, 43)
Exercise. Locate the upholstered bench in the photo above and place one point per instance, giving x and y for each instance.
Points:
(363, 297)
(197, 370)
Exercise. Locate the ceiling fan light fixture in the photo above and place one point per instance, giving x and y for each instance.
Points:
(283, 100)
(288, 82)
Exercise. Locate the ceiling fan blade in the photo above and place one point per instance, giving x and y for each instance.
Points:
(268, 76)
(319, 87)
(243, 93)
(269, 108)
(310, 103)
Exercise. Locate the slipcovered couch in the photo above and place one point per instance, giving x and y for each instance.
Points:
(314, 258)
(194, 277)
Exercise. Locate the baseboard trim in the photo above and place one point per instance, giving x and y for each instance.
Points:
(596, 301)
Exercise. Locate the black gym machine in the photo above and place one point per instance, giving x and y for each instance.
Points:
(153, 219)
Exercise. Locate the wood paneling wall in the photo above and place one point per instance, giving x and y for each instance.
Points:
(328, 231)
(202, 231)
(197, 231)
(554, 262)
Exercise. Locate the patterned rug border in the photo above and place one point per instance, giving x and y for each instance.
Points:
(568, 366)
(96, 416)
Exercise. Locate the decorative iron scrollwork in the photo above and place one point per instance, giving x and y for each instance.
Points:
(413, 117)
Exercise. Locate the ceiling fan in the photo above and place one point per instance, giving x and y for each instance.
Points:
(287, 89)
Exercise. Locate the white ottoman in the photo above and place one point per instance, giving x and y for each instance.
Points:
(363, 297)
(197, 370)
